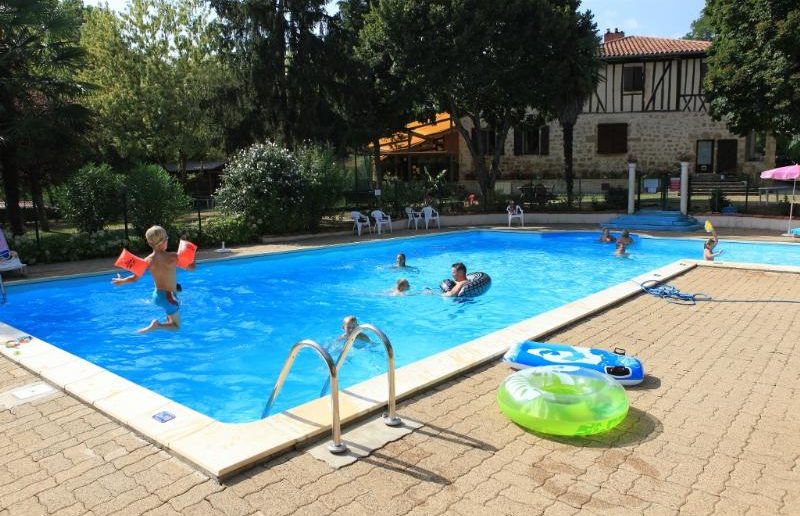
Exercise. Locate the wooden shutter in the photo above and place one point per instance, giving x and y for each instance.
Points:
(612, 138)
(544, 140)
(517, 141)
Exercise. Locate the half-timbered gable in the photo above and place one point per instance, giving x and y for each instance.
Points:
(650, 103)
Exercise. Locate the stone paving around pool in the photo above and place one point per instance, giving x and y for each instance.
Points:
(714, 429)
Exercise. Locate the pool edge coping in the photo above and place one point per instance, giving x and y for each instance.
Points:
(223, 449)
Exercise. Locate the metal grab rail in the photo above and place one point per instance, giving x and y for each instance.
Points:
(337, 446)
(390, 419)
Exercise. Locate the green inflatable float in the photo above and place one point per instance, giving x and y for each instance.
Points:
(563, 400)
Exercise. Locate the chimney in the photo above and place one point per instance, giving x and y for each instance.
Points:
(613, 36)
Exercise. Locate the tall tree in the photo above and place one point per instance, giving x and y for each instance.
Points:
(38, 54)
(153, 68)
(372, 102)
(282, 67)
(480, 61)
(754, 64)
(573, 77)
(701, 28)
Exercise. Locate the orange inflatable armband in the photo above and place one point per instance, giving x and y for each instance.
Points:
(131, 262)
(186, 252)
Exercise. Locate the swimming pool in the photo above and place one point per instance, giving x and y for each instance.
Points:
(241, 316)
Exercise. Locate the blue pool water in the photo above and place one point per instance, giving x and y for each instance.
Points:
(241, 316)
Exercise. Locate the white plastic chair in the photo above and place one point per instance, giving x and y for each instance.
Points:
(359, 221)
(429, 214)
(517, 213)
(382, 219)
(9, 261)
(414, 216)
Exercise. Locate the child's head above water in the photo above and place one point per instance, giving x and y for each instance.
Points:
(155, 236)
(401, 260)
(402, 285)
(349, 323)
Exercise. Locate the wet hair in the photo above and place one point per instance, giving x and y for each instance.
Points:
(401, 259)
(155, 235)
(402, 282)
(460, 267)
(625, 233)
(349, 319)
(710, 243)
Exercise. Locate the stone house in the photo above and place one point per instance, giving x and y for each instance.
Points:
(649, 103)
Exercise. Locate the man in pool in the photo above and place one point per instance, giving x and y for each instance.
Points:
(459, 273)
(162, 267)
(623, 242)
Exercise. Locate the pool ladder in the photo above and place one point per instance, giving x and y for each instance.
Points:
(390, 418)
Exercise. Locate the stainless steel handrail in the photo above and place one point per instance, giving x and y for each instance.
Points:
(337, 446)
(390, 418)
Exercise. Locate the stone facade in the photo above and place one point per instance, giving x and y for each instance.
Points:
(655, 139)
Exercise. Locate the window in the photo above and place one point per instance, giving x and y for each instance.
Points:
(487, 140)
(633, 79)
(612, 138)
(755, 146)
(531, 140)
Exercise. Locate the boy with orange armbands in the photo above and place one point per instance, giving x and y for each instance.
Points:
(162, 266)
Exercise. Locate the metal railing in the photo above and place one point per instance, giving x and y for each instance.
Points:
(337, 446)
(390, 418)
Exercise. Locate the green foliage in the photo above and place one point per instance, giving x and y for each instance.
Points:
(38, 55)
(154, 68)
(65, 247)
(754, 65)
(701, 29)
(154, 198)
(323, 183)
(282, 71)
(398, 194)
(91, 197)
(231, 230)
(263, 185)
(503, 55)
(717, 201)
(616, 198)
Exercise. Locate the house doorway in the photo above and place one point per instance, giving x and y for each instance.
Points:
(726, 156)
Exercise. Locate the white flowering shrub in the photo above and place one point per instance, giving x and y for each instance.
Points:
(263, 185)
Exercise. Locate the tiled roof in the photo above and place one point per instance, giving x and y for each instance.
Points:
(645, 46)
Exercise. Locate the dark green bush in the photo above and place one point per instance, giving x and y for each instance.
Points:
(263, 186)
(616, 198)
(717, 201)
(91, 197)
(66, 247)
(397, 194)
(154, 198)
(323, 184)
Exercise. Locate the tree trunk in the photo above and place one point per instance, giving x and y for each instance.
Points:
(499, 143)
(11, 188)
(38, 200)
(568, 129)
(475, 150)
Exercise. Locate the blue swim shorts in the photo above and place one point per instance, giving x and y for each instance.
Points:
(166, 300)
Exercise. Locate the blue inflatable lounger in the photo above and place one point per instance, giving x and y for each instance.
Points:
(626, 370)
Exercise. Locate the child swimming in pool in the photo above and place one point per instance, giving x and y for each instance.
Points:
(708, 247)
(349, 324)
(162, 266)
(401, 287)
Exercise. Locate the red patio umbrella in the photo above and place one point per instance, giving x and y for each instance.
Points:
(787, 173)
